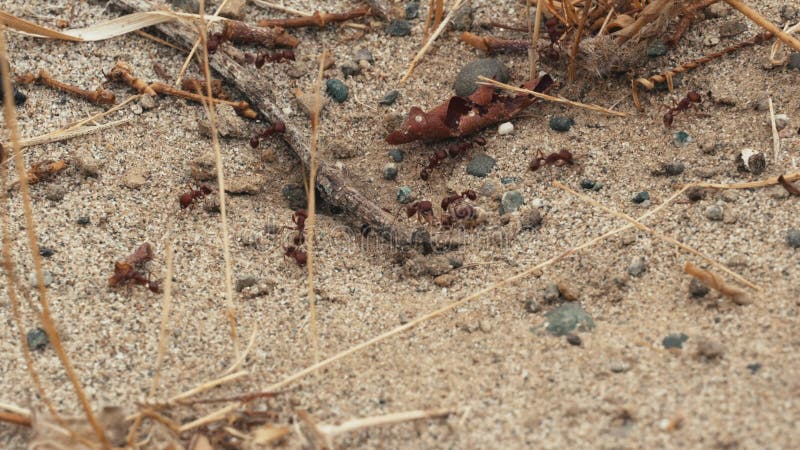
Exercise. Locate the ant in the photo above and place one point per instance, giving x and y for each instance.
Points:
(126, 273)
(300, 256)
(453, 200)
(423, 210)
(690, 101)
(261, 58)
(188, 198)
(562, 157)
(299, 218)
(454, 151)
(555, 29)
(277, 127)
(456, 209)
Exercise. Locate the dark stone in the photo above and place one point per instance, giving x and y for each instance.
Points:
(480, 165)
(670, 169)
(681, 139)
(336, 90)
(46, 252)
(641, 197)
(83, 220)
(574, 339)
(793, 237)
(656, 49)
(587, 184)
(412, 10)
(467, 78)
(389, 171)
(674, 340)
(567, 318)
(561, 124)
(245, 282)
(794, 61)
(404, 195)
(754, 367)
(397, 155)
(19, 97)
(37, 339)
(511, 201)
(462, 20)
(398, 28)
(389, 98)
(509, 180)
(697, 289)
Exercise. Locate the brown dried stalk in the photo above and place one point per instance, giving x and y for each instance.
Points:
(649, 14)
(667, 76)
(790, 188)
(198, 85)
(491, 45)
(242, 107)
(576, 43)
(100, 96)
(123, 72)
(15, 419)
(714, 281)
(242, 33)
(317, 19)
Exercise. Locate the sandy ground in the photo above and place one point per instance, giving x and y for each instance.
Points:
(514, 385)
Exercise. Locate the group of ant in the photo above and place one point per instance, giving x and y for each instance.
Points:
(455, 209)
(453, 151)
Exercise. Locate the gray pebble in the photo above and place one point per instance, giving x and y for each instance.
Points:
(37, 339)
(467, 78)
(336, 90)
(46, 252)
(363, 54)
(245, 282)
(404, 195)
(412, 10)
(717, 10)
(561, 124)
(390, 171)
(587, 184)
(637, 267)
(530, 219)
(674, 168)
(462, 20)
(674, 340)
(656, 49)
(619, 366)
(398, 28)
(83, 220)
(397, 155)
(136, 108)
(793, 237)
(480, 165)
(714, 213)
(389, 98)
(794, 61)
(567, 318)
(46, 275)
(350, 69)
(88, 166)
(203, 168)
(732, 28)
(697, 289)
(511, 201)
(641, 197)
(551, 293)
(789, 12)
(489, 188)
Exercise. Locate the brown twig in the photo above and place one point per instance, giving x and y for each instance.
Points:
(667, 76)
(16, 419)
(572, 69)
(490, 44)
(198, 85)
(242, 33)
(100, 96)
(242, 107)
(317, 19)
(123, 72)
(716, 282)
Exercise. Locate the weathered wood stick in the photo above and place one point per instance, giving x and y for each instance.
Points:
(332, 182)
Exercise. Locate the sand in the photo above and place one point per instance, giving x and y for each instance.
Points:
(512, 384)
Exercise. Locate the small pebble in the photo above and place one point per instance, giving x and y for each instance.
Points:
(203, 168)
(46, 252)
(390, 171)
(761, 104)
(135, 178)
(389, 98)
(336, 90)
(567, 318)
(245, 282)
(628, 238)
(455, 263)
(511, 201)
(404, 195)
(641, 197)
(462, 20)
(19, 98)
(83, 220)
(674, 340)
(781, 121)
(54, 193)
(445, 280)
(714, 213)
(754, 368)
(587, 184)
(752, 161)
(480, 165)
(533, 307)
(530, 219)
(793, 237)
(508, 180)
(37, 339)
(350, 69)
(489, 188)
(397, 155)
(709, 349)
(707, 145)
(467, 78)
(398, 28)
(732, 28)
(729, 216)
(46, 275)
(656, 49)
(710, 41)
(695, 194)
(561, 123)
(147, 102)
(681, 139)
(619, 366)
(412, 10)
(363, 54)
(637, 267)
(574, 339)
(697, 289)
(505, 128)
(794, 61)
(551, 293)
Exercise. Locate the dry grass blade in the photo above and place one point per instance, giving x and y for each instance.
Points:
(776, 140)
(385, 419)
(202, 38)
(550, 98)
(657, 234)
(533, 53)
(210, 418)
(771, 181)
(764, 23)
(431, 39)
(312, 215)
(33, 245)
(454, 305)
(716, 282)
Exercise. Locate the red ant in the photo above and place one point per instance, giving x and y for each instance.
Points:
(455, 209)
(555, 29)
(300, 256)
(454, 151)
(690, 101)
(277, 127)
(560, 158)
(263, 57)
(454, 199)
(126, 273)
(423, 210)
(188, 198)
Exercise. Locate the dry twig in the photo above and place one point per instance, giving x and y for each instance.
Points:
(100, 96)
(317, 19)
(716, 282)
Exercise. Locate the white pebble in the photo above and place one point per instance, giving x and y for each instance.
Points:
(505, 128)
(287, 111)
